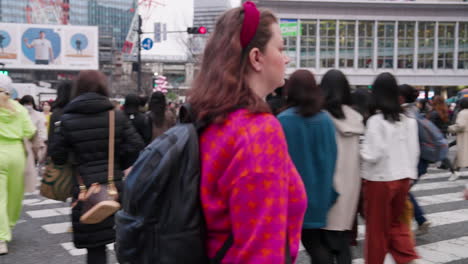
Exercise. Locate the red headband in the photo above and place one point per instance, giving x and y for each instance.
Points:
(250, 23)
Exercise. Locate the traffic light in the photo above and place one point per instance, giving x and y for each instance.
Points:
(4, 72)
(196, 30)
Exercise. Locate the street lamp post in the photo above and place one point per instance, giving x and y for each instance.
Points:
(139, 55)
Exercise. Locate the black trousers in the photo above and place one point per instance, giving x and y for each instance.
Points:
(97, 255)
(327, 247)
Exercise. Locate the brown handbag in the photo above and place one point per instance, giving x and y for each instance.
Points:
(100, 200)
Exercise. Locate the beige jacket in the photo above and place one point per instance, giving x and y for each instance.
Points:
(347, 179)
(35, 150)
(461, 128)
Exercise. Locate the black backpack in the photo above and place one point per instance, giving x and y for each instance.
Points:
(161, 220)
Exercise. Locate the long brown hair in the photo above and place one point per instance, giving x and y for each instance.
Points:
(91, 81)
(440, 107)
(220, 86)
(303, 93)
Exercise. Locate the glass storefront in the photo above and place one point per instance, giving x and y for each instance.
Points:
(463, 46)
(405, 44)
(419, 45)
(308, 43)
(346, 41)
(426, 34)
(289, 29)
(386, 44)
(327, 43)
(446, 45)
(366, 44)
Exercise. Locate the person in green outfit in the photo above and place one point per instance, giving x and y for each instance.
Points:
(15, 125)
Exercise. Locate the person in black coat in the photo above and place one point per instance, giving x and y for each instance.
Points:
(83, 134)
(137, 118)
(63, 98)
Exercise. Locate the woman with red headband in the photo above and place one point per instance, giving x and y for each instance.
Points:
(253, 198)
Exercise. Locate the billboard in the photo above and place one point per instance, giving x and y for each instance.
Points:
(48, 47)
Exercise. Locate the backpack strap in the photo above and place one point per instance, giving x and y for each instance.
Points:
(223, 251)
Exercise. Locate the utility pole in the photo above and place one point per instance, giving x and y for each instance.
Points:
(139, 54)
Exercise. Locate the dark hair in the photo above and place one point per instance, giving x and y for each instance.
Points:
(28, 100)
(302, 92)
(64, 91)
(91, 81)
(132, 102)
(143, 100)
(157, 107)
(363, 101)
(409, 93)
(337, 92)
(221, 86)
(463, 103)
(386, 94)
(276, 100)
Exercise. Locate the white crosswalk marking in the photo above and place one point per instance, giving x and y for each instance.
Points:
(437, 219)
(49, 212)
(57, 228)
(439, 252)
(437, 191)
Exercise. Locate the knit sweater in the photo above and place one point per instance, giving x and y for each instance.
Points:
(312, 146)
(250, 189)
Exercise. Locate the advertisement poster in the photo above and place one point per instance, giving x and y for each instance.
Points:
(48, 47)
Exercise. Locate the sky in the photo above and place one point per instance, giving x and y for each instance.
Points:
(177, 15)
(235, 3)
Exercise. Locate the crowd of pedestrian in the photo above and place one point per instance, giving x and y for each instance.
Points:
(300, 170)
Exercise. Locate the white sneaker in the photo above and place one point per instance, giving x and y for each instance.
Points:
(455, 175)
(3, 248)
(423, 228)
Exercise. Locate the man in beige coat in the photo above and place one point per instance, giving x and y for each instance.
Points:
(461, 129)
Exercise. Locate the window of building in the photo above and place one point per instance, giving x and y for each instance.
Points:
(346, 35)
(308, 43)
(463, 46)
(366, 44)
(446, 39)
(405, 44)
(426, 45)
(289, 32)
(386, 43)
(327, 43)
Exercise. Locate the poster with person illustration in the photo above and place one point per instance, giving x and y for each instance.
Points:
(80, 47)
(41, 46)
(8, 45)
(45, 47)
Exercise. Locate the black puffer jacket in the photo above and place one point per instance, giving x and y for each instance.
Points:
(84, 134)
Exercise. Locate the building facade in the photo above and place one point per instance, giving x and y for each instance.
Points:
(422, 43)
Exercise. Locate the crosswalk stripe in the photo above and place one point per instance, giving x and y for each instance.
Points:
(49, 212)
(34, 202)
(57, 228)
(438, 185)
(439, 252)
(437, 219)
(439, 198)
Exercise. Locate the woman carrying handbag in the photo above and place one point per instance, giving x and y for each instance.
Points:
(85, 133)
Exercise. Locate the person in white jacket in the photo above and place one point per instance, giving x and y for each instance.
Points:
(390, 154)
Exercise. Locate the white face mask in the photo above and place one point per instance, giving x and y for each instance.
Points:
(29, 107)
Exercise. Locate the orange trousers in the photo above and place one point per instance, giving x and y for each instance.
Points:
(386, 231)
